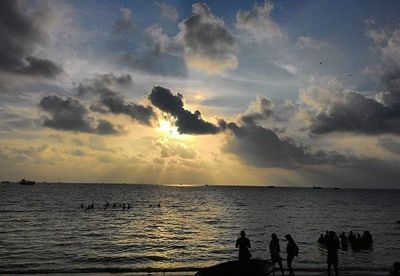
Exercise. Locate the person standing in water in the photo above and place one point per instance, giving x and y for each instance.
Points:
(244, 244)
(292, 250)
(332, 245)
(275, 250)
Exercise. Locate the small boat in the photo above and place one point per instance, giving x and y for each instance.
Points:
(5, 182)
(26, 182)
(317, 187)
(336, 188)
(239, 268)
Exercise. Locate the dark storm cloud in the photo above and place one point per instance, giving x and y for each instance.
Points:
(117, 105)
(103, 83)
(71, 114)
(186, 121)
(262, 147)
(163, 56)
(108, 101)
(356, 113)
(19, 36)
(203, 35)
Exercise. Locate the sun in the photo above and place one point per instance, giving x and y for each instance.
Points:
(169, 129)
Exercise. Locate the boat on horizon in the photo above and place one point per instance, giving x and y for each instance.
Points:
(5, 182)
(26, 182)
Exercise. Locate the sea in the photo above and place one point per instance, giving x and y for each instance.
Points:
(178, 228)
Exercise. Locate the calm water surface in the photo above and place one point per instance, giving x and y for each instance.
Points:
(43, 228)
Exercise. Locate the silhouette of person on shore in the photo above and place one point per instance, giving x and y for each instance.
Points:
(343, 241)
(367, 238)
(321, 239)
(275, 250)
(292, 250)
(332, 246)
(396, 269)
(352, 237)
(244, 244)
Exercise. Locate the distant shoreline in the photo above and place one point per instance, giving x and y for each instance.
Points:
(204, 185)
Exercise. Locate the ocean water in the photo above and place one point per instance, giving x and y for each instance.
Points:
(43, 228)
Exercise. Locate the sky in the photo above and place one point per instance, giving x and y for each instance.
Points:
(285, 93)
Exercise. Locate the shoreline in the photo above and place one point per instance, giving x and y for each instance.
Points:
(189, 272)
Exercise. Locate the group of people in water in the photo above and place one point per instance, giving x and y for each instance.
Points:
(107, 205)
(124, 205)
(292, 250)
(88, 207)
(330, 240)
(356, 241)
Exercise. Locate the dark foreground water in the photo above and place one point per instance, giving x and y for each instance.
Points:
(43, 228)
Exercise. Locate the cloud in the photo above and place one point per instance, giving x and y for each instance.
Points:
(30, 154)
(167, 11)
(172, 149)
(262, 147)
(357, 113)
(116, 104)
(70, 114)
(13, 120)
(186, 121)
(124, 24)
(20, 35)
(102, 83)
(259, 25)
(207, 43)
(330, 108)
(387, 44)
(390, 144)
(109, 101)
(163, 56)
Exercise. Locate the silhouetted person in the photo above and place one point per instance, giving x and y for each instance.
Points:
(244, 244)
(343, 241)
(82, 206)
(292, 250)
(332, 245)
(275, 251)
(396, 269)
(129, 206)
(114, 205)
(352, 237)
(321, 239)
(123, 206)
(367, 238)
(159, 205)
